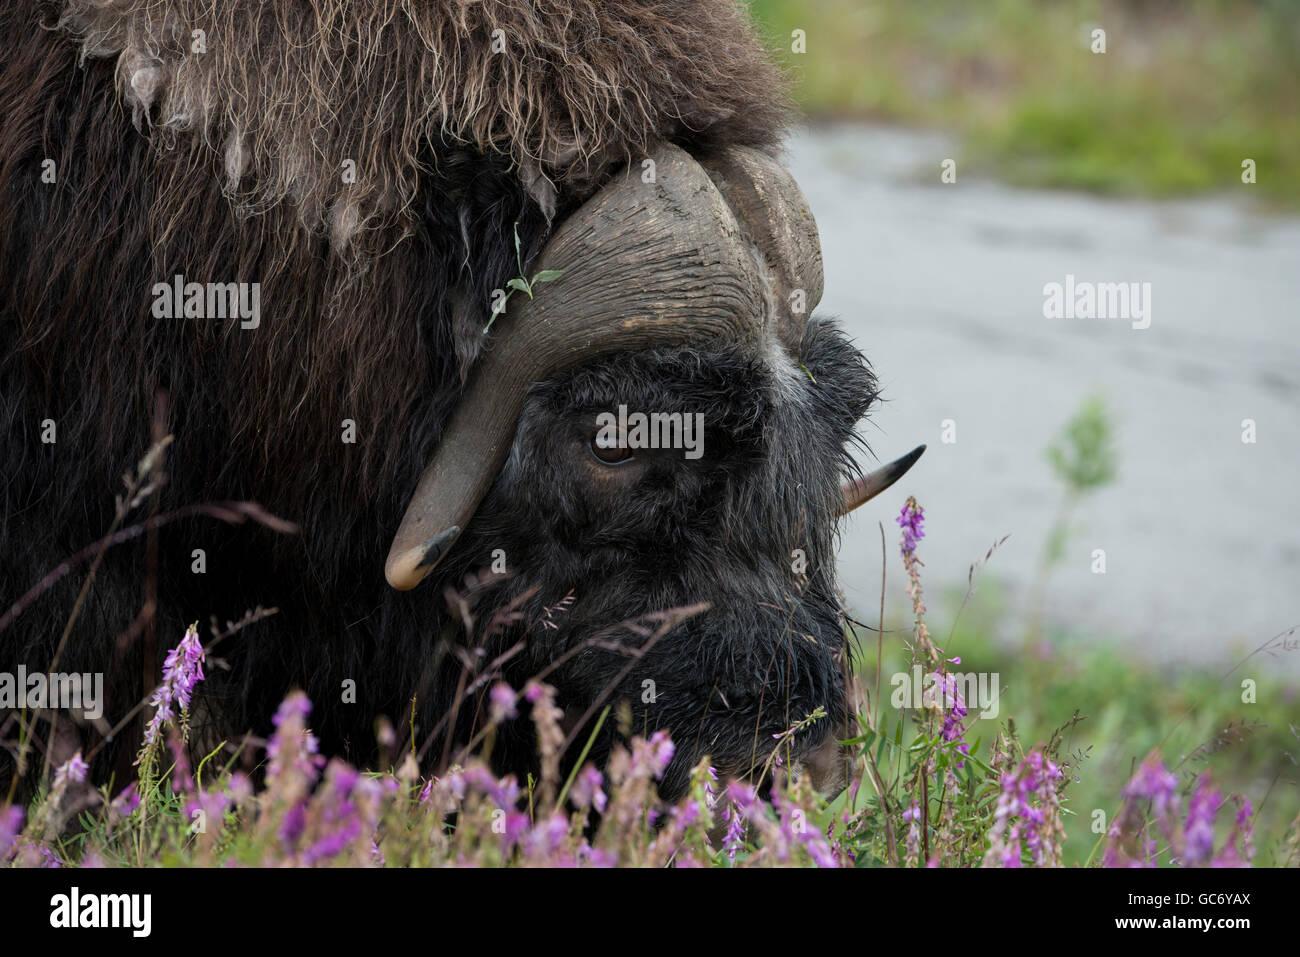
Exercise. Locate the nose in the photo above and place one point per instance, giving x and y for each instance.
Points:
(830, 765)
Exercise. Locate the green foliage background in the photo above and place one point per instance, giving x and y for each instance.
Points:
(1184, 92)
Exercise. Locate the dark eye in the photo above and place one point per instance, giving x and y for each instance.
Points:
(609, 454)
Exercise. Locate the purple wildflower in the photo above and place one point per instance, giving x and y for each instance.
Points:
(954, 709)
(333, 843)
(741, 794)
(711, 788)
(686, 815)
(912, 818)
(11, 825)
(503, 792)
(742, 798)
(296, 704)
(240, 787)
(796, 829)
(597, 857)
(911, 520)
(456, 785)
(819, 850)
(1244, 826)
(501, 702)
(1027, 811)
(1190, 842)
(344, 815)
(516, 827)
(343, 778)
(124, 805)
(1127, 844)
(292, 751)
(73, 770)
(1198, 845)
(182, 670)
(213, 806)
(547, 840)
(658, 753)
(293, 824)
(734, 839)
(587, 789)
(1152, 782)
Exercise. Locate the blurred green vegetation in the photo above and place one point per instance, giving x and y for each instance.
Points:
(1083, 456)
(1198, 720)
(1195, 718)
(1184, 92)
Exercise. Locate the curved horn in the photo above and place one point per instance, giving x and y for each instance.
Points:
(863, 489)
(664, 263)
(769, 204)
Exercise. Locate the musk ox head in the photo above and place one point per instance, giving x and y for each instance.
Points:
(631, 144)
(663, 427)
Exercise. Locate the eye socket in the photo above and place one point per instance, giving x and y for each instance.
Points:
(607, 454)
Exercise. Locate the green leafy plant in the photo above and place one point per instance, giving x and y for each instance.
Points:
(1084, 459)
(520, 283)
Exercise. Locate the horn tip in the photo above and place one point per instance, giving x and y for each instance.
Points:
(859, 491)
(406, 569)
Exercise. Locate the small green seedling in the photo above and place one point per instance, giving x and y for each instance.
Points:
(520, 283)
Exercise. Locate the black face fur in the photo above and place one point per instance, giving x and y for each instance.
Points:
(747, 528)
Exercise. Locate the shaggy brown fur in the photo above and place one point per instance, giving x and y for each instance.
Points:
(285, 92)
(226, 165)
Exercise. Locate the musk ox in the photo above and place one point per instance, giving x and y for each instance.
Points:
(276, 232)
